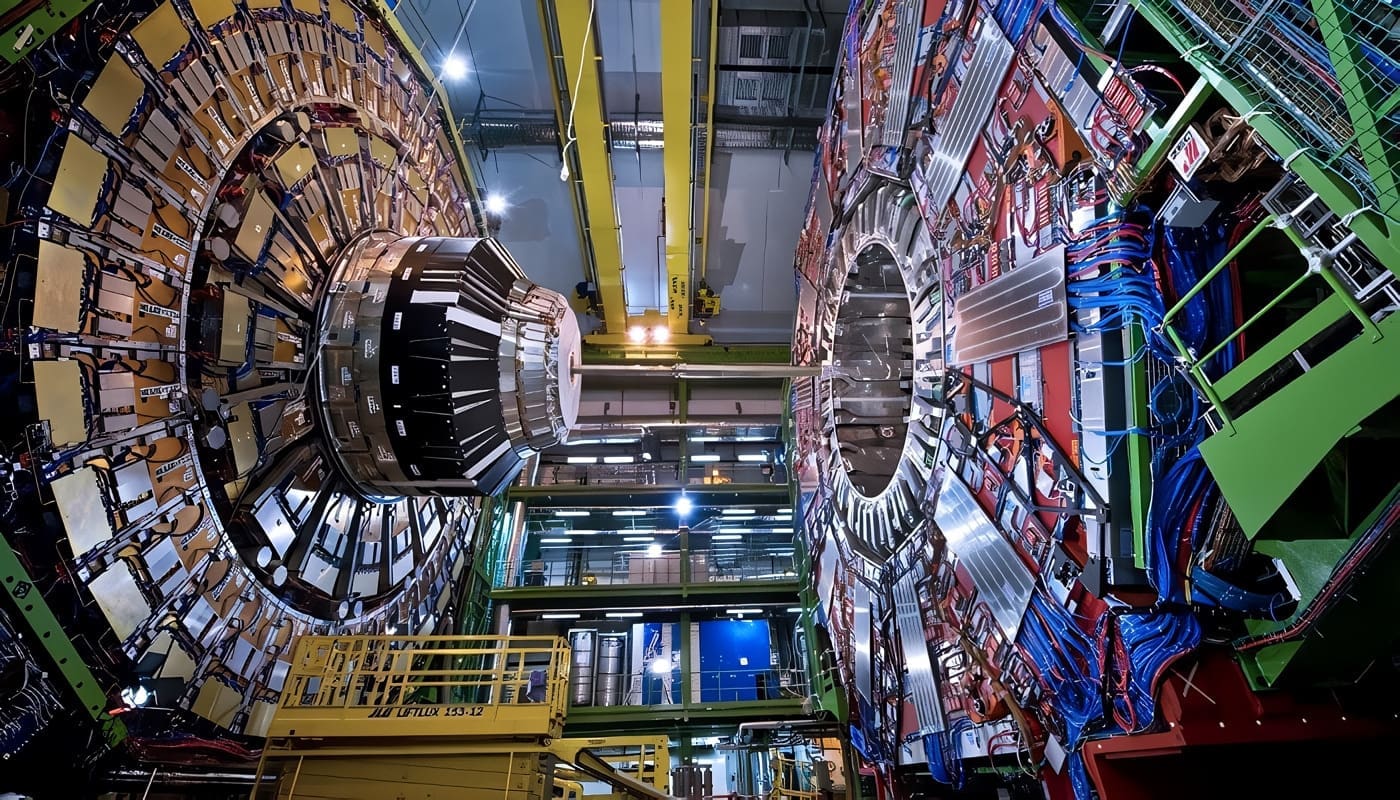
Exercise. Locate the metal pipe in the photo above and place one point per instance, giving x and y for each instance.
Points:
(698, 371)
(633, 424)
(167, 777)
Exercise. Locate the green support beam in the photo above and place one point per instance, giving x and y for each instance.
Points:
(24, 595)
(1375, 134)
(26, 24)
(1378, 232)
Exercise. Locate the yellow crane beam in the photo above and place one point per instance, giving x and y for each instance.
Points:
(677, 95)
(584, 128)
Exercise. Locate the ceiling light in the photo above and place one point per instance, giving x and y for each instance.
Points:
(660, 334)
(617, 459)
(572, 513)
(726, 537)
(556, 541)
(559, 616)
(583, 459)
(646, 539)
(623, 614)
(683, 505)
(496, 204)
(454, 67)
(794, 610)
(743, 611)
(704, 458)
(753, 456)
(733, 530)
(628, 512)
(784, 512)
(637, 334)
(729, 512)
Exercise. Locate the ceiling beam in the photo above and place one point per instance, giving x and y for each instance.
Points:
(677, 101)
(578, 51)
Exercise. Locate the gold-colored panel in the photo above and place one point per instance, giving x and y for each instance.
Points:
(260, 4)
(245, 441)
(417, 184)
(79, 498)
(382, 152)
(217, 702)
(350, 201)
(121, 602)
(319, 234)
(79, 181)
(161, 35)
(342, 141)
(211, 12)
(59, 294)
(294, 164)
(374, 40)
(309, 6)
(58, 387)
(177, 663)
(342, 15)
(114, 96)
(256, 227)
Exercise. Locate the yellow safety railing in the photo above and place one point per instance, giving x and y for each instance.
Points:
(792, 779)
(459, 686)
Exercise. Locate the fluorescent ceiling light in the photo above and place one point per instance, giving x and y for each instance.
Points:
(743, 611)
(583, 459)
(735, 530)
(707, 438)
(753, 457)
(555, 541)
(628, 512)
(636, 539)
(559, 616)
(794, 610)
(784, 512)
(781, 530)
(753, 438)
(567, 513)
(617, 459)
(726, 537)
(729, 512)
(705, 458)
(623, 614)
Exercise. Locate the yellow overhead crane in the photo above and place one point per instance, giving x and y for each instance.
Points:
(440, 717)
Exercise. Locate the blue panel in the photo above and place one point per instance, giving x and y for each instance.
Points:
(735, 660)
(660, 686)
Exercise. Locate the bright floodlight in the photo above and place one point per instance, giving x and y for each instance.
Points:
(496, 204)
(660, 333)
(454, 67)
(637, 333)
(683, 505)
(654, 550)
(660, 666)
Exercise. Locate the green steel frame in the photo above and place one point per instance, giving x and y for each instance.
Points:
(21, 591)
(38, 20)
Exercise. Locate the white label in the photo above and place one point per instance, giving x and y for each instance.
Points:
(372, 403)
(353, 427)
(158, 311)
(398, 319)
(398, 424)
(345, 376)
(163, 390)
(161, 232)
(394, 374)
(1189, 152)
(370, 349)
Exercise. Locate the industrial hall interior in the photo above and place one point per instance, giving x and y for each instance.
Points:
(699, 399)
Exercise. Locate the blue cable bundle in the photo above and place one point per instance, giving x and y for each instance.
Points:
(1016, 17)
(1150, 642)
(1185, 488)
(1209, 317)
(1068, 663)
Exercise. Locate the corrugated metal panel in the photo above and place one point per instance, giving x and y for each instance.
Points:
(919, 684)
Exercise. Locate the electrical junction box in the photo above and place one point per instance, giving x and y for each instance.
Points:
(1187, 209)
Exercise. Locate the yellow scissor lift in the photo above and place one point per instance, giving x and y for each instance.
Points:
(439, 717)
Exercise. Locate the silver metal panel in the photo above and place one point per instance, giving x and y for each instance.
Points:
(79, 498)
(1002, 580)
(959, 130)
(860, 637)
(1020, 310)
(907, 29)
(919, 684)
